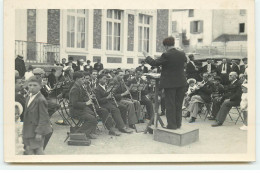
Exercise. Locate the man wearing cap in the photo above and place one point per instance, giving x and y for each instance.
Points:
(223, 71)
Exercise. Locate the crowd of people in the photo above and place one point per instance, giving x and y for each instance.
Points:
(114, 97)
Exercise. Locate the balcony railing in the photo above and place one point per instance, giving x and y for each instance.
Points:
(37, 52)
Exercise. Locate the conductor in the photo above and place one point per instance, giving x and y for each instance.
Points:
(172, 80)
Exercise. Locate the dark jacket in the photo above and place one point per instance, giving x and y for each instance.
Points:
(20, 66)
(235, 68)
(101, 95)
(233, 92)
(191, 72)
(77, 100)
(36, 117)
(145, 70)
(205, 68)
(88, 68)
(220, 67)
(205, 92)
(98, 67)
(172, 74)
(51, 80)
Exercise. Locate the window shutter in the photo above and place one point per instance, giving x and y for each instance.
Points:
(201, 27)
(191, 27)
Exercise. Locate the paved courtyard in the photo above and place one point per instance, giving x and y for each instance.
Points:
(220, 140)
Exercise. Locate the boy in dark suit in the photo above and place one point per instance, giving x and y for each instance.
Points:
(36, 119)
(142, 67)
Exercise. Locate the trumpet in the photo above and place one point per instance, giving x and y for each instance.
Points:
(90, 97)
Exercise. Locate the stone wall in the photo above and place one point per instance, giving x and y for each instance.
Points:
(53, 28)
(97, 29)
(162, 28)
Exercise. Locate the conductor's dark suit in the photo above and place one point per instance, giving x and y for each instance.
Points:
(173, 81)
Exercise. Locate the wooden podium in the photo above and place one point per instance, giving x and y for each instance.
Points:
(184, 136)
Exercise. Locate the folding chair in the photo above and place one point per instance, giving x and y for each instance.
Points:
(239, 114)
(205, 109)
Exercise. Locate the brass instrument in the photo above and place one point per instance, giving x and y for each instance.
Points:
(90, 97)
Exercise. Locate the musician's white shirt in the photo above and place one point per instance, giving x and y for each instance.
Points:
(32, 97)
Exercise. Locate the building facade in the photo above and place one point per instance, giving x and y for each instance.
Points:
(211, 31)
(116, 37)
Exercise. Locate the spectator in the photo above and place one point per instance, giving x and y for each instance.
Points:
(202, 94)
(223, 71)
(88, 67)
(244, 105)
(235, 67)
(232, 97)
(192, 70)
(71, 59)
(243, 67)
(52, 78)
(98, 66)
(217, 93)
(191, 89)
(142, 68)
(20, 65)
(80, 65)
(29, 72)
(209, 67)
(63, 62)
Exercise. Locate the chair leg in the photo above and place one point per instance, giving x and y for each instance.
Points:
(239, 115)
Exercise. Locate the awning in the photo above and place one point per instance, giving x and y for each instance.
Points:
(230, 37)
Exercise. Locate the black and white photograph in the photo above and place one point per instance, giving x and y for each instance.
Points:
(152, 82)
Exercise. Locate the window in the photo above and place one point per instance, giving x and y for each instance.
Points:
(242, 28)
(174, 26)
(96, 58)
(143, 32)
(191, 13)
(196, 27)
(242, 12)
(114, 60)
(76, 28)
(130, 60)
(114, 29)
(200, 40)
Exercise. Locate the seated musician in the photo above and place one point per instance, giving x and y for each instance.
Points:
(217, 93)
(80, 106)
(107, 101)
(232, 97)
(202, 94)
(141, 96)
(133, 106)
(94, 81)
(101, 112)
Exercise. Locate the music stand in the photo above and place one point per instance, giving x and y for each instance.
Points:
(155, 118)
